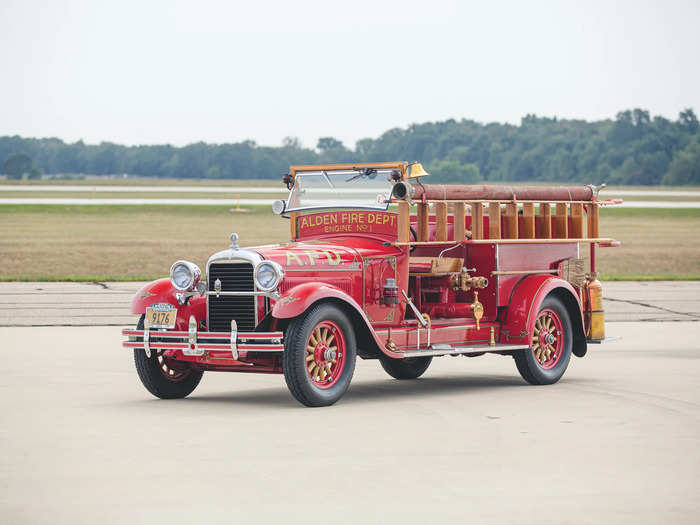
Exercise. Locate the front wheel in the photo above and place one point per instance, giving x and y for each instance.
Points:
(164, 377)
(551, 342)
(319, 356)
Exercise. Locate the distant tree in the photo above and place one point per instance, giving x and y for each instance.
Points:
(633, 148)
(292, 143)
(17, 165)
(685, 167)
(213, 172)
(640, 117)
(328, 144)
(689, 121)
(453, 171)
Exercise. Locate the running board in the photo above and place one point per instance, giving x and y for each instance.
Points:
(443, 349)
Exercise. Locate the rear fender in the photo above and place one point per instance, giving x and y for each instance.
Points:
(299, 299)
(526, 301)
(162, 291)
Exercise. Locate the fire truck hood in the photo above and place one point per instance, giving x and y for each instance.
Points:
(338, 252)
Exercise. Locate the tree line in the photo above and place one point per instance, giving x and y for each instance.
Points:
(634, 148)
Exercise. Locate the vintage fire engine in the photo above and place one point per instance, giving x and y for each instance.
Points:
(382, 266)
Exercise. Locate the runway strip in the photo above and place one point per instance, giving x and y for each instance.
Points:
(98, 201)
(223, 188)
(107, 304)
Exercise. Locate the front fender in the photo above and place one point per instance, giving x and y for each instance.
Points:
(297, 300)
(525, 302)
(162, 291)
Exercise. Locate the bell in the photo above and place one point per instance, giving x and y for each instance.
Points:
(416, 170)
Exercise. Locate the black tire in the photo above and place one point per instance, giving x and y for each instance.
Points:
(297, 372)
(150, 371)
(527, 362)
(410, 368)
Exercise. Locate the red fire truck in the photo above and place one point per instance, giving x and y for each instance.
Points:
(382, 266)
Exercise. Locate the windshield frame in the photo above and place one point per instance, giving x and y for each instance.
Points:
(342, 175)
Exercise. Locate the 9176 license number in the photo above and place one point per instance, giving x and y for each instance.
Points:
(161, 315)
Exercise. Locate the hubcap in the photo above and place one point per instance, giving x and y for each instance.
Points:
(325, 354)
(548, 339)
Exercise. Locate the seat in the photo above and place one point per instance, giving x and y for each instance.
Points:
(434, 266)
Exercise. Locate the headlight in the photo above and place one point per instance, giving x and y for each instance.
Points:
(268, 275)
(185, 275)
(278, 207)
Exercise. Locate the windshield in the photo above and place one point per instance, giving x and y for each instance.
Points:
(361, 188)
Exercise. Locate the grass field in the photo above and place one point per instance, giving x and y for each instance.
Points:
(108, 243)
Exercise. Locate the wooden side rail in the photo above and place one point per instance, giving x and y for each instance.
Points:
(506, 220)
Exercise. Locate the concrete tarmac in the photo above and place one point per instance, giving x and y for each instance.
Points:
(615, 441)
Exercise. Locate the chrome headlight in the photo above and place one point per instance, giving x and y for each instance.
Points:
(278, 207)
(268, 275)
(185, 275)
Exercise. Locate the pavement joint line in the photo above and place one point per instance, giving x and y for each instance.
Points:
(87, 294)
(125, 325)
(639, 303)
(98, 283)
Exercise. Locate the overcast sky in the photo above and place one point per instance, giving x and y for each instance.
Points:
(151, 72)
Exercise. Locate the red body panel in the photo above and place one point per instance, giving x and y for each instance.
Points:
(298, 299)
(354, 265)
(525, 303)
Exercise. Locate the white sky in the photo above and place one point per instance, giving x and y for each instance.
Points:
(153, 72)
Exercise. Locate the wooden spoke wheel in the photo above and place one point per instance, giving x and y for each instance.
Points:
(325, 354)
(547, 339)
(551, 342)
(319, 355)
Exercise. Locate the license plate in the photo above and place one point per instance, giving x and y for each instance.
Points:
(161, 315)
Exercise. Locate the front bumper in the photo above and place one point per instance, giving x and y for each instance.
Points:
(223, 345)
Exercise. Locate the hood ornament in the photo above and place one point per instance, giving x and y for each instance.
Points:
(217, 287)
(234, 241)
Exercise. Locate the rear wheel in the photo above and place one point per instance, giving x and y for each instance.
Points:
(319, 356)
(550, 345)
(410, 368)
(162, 376)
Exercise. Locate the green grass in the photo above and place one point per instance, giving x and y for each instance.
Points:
(135, 243)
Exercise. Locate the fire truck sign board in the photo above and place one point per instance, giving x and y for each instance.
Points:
(355, 221)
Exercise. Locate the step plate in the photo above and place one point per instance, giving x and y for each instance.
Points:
(437, 350)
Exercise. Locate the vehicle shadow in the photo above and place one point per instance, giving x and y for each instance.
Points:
(428, 387)
(374, 390)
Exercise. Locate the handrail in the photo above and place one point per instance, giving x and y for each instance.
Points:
(568, 240)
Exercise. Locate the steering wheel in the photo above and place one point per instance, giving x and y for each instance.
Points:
(415, 239)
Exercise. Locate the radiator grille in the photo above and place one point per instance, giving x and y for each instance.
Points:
(234, 277)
